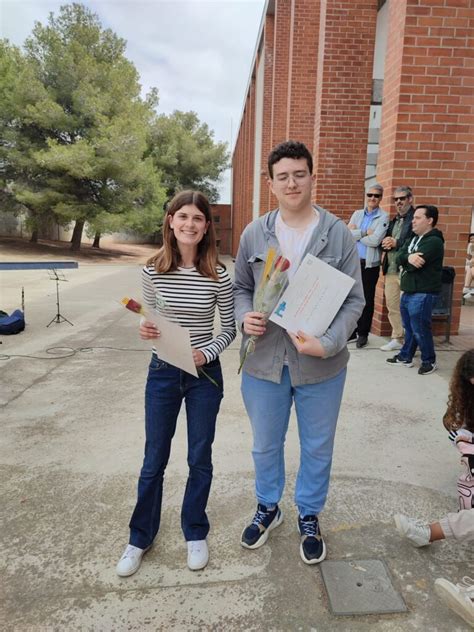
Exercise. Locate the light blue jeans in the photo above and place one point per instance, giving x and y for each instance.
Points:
(317, 408)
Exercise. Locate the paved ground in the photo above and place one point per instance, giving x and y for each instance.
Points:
(71, 448)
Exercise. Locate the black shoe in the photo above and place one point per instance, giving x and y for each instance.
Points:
(399, 362)
(426, 368)
(312, 547)
(361, 341)
(257, 532)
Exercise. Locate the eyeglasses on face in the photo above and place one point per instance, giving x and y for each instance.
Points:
(374, 195)
(402, 198)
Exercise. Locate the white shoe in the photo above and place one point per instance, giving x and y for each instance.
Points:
(198, 554)
(416, 532)
(392, 345)
(458, 597)
(130, 561)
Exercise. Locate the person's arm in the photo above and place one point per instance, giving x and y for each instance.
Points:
(345, 321)
(353, 226)
(148, 330)
(244, 285)
(225, 305)
(379, 228)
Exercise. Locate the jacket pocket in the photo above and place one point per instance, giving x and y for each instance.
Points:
(331, 260)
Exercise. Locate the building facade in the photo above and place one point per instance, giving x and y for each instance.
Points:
(378, 91)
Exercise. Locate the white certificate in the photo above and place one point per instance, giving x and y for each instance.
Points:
(313, 297)
(174, 344)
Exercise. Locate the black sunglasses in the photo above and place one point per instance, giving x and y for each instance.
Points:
(375, 195)
(400, 199)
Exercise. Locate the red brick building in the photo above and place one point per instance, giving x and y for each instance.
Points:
(221, 216)
(321, 72)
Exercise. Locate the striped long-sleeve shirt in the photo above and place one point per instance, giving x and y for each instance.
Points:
(192, 299)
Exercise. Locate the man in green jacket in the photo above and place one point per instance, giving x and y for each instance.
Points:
(421, 260)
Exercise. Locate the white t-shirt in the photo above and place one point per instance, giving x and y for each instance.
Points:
(294, 241)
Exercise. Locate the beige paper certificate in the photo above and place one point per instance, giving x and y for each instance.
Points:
(174, 344)
(313, 297)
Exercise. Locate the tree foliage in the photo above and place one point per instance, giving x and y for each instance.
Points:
(184, 151)
(79, 145)
(79, 130)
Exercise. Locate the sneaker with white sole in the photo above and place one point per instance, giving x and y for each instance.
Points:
(397, 361)
(257, 532)
(392, 345)
(130, 561)
(418, 533)
(426, 368)
(458, 597)
(312, 545)
(198, 554)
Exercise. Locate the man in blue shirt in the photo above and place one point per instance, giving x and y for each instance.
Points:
(368, 227)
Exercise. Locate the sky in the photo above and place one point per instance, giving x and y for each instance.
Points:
(197, 53)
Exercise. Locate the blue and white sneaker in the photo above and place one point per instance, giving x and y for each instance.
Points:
(312, 546)
(257, 532)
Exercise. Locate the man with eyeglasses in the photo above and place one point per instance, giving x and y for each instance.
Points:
(399, 231)
(284, 370)
(368, 227)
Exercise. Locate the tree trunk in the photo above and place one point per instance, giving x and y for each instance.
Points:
(77, 234)
(34, 236)
(97, 237)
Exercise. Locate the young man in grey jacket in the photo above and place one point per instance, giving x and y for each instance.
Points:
(284, 369)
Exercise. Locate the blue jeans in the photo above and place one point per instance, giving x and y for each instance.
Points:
(416, 310)
(166, 387)
(317, 408)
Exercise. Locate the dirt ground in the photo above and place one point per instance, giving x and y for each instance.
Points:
(16, 249)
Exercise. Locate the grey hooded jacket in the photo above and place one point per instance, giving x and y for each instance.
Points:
(332, 243)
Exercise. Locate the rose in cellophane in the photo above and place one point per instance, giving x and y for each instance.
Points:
(273, 282)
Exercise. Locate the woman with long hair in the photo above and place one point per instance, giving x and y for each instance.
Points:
(188, 279)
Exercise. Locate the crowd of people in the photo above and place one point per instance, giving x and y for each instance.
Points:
(410, 251)
(286, 368)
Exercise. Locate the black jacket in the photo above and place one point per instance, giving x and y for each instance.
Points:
(406, 235)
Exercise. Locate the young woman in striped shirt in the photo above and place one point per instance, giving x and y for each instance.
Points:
(188, 278)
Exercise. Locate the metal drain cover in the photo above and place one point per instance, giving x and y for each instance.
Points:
(360, 587)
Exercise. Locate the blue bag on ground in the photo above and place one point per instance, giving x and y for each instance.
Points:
(12, 324)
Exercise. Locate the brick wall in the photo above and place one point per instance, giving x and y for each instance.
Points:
(427, 134)
(343, 96)
(242, 172)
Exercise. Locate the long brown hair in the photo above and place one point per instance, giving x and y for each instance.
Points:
(168, 257)
(460, 410)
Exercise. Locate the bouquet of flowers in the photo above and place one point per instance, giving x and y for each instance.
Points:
(272, 284)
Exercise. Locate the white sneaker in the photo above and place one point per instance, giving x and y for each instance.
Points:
(416, 532)
(392, 345)
(198, 554)
(130, 561)
(458, 597)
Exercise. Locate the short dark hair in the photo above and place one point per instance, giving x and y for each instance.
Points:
(430, 211)
(289, 149)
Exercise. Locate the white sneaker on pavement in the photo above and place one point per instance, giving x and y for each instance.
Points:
(392, 345)
(416, 532)
(198, 554)
(130, 561)
(458, 597)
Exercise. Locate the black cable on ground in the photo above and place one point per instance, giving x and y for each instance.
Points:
(58, 353)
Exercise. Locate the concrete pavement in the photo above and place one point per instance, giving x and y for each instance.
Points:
(71, 449)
